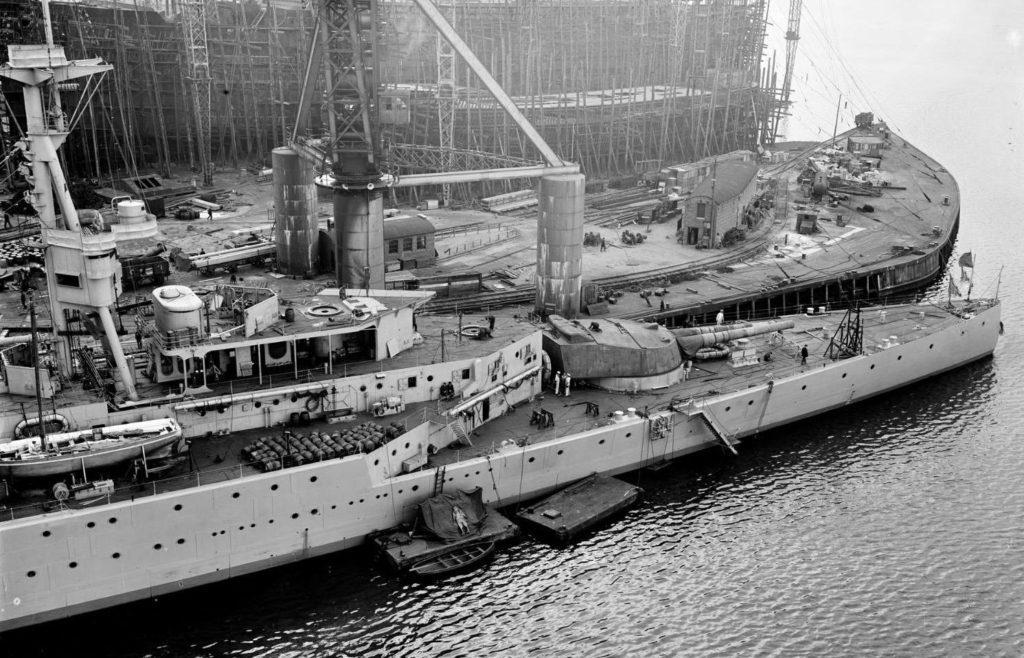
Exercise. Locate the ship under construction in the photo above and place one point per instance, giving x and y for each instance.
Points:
(617, 86)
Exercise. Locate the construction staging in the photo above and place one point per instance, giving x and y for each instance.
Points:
(210, 85)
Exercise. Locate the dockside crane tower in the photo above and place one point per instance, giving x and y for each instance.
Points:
(345, 53)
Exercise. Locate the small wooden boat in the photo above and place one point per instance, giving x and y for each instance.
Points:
(459, 558)
(455, 531)
(102, 447)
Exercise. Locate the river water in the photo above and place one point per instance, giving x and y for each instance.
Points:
(895, 527)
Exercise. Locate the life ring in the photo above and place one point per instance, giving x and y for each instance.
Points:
(19, 429)
(708, 353)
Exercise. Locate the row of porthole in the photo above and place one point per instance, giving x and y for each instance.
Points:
(274, 487)
(295, 515)
(804, 387)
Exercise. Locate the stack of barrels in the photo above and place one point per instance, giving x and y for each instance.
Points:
(271, 453)
(18, 253)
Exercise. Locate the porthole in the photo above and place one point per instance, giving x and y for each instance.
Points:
(395, 452)
(406, 445)
(252, 525)
(560, 451)
(376, 462)
(351, 502)
(157, 547)
(362, 389)
(415, 487)
(223, 531)
(601, 442)
(177, 508)
(750, 402)
(931, 346)
(531, 460)
(277, 401)
(844, 375)
(72, 564)
(629, 434)
(295, 515)
(273, 487)
(46, 533)
(400, 492)
(334, 507)
(314, 511)
(430, 378)
(31, 574)
(899, 358)
(313, 479)
(116, 556)
(257, 404)
(213, 534)
(380, 385)
(728, 408)
(872, 367)
(235, 495)
(181, 540)
(804, 387)
(90, 524)
(467, 474)
(270, 521)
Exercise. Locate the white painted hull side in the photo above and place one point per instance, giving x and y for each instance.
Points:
(183, 539)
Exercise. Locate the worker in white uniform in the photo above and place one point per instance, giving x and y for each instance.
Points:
(558, 381)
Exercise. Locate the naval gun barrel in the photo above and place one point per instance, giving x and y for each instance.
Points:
(690, 344)
(694, 331)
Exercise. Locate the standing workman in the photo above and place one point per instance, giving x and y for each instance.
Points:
(803, 355)
(720, 318)
(558, 382)
(209, 214)
(568, 383)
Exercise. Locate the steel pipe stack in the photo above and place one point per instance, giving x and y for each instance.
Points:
(560, 245)
(359, 242)
(295, 205)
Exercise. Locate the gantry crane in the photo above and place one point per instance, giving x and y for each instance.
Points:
(792, 39)
(197, 59)
(344, 52)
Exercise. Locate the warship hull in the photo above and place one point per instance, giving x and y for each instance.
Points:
(68, 562)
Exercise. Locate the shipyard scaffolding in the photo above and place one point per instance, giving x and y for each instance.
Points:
(619, 86)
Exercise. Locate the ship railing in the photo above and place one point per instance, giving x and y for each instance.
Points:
(134, 491)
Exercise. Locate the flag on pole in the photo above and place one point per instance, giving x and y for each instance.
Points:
(953, 290)
(967, 260)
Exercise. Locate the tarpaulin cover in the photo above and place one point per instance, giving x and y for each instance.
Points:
(456, 515)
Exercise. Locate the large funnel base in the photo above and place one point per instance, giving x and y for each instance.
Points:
(560, 245)
(359, 238)
(295, 207)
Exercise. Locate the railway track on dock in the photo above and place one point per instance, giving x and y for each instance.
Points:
(526, 294)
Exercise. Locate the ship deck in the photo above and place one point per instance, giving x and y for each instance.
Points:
(218, 457)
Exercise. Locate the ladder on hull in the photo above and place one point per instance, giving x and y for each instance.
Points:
(438, 480)
(716, 430)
